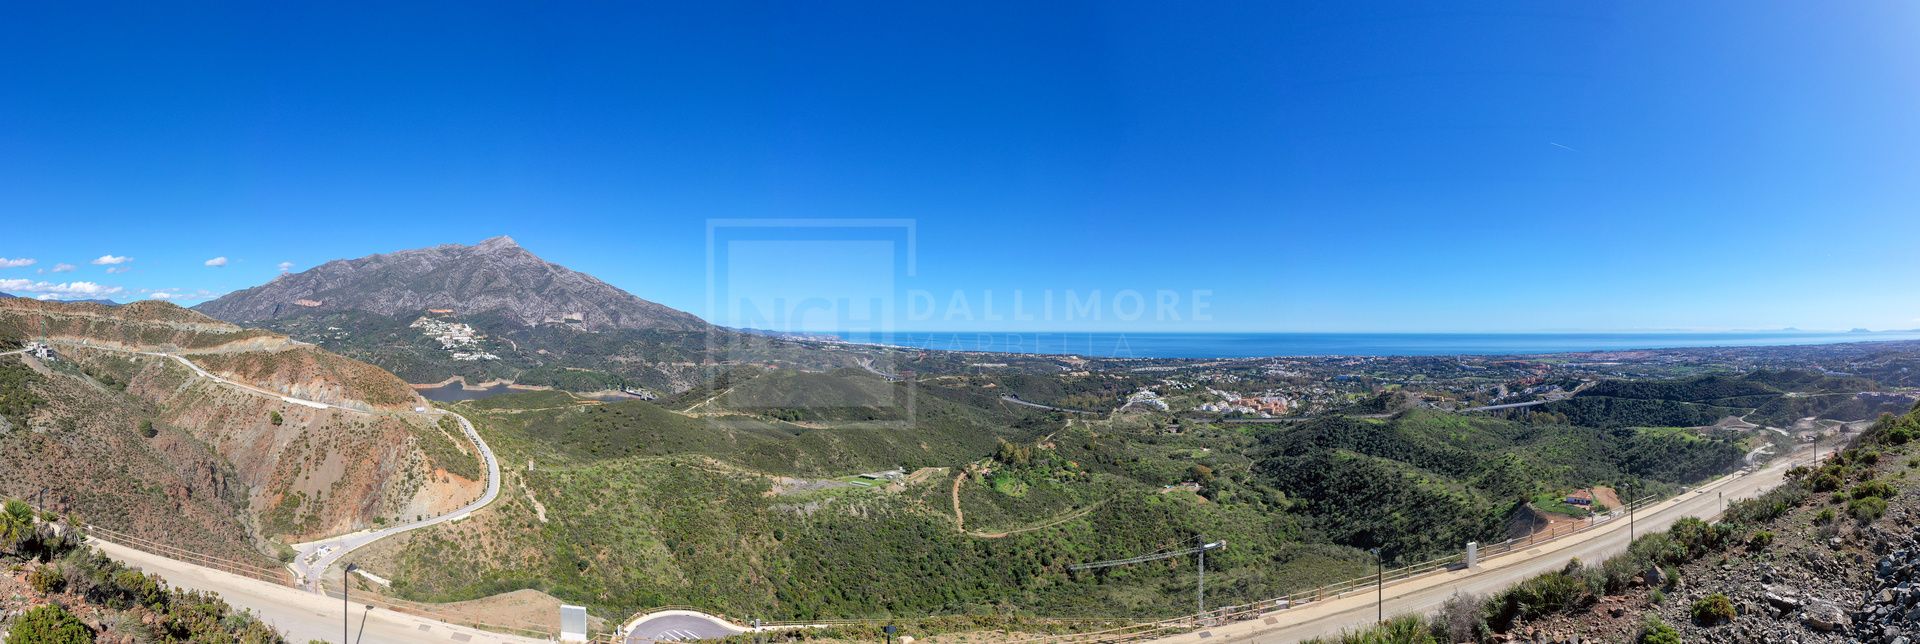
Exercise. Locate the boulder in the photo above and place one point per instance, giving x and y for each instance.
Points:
(1824, 616)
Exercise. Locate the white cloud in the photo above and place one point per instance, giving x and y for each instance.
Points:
(58, 291)
(119, 269)
(161, 295)
(16, 262)
(286, 266)
(111, 260)
(217, 261)
(63, 268)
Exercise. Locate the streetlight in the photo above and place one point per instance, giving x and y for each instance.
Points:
(1380, 587)
(346, 610)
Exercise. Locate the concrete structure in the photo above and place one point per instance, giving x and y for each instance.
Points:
(573, 623)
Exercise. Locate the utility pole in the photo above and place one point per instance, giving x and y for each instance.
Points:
(1200, 584)
(1380, 588)
(1629, 516)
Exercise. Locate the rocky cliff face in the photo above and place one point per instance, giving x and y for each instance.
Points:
(143, 444)
(494, 276)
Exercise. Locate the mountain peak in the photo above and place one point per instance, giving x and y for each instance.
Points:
(497, 243)
(493, 276)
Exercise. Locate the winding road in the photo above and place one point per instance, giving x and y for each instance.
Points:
(313, 558)
(1016, 400)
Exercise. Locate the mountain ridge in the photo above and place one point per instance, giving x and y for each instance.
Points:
(496, 275)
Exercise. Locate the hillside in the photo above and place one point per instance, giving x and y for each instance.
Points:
(624, 506)
(55, 589)
(1832, 555)
(1469, 473)
(750, 502)
(141, 443)
(493, 276)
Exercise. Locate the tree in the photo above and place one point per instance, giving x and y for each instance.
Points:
(49, 624)
(16, 525)
(274, 417)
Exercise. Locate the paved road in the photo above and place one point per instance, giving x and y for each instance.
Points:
(312, 559)
(301, 615)
(868, 365)
(679, 626)
(1529, 403)
(1016, 400)
(1425, 594)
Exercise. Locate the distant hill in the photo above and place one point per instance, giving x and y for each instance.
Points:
(495, 276)
(94, 301)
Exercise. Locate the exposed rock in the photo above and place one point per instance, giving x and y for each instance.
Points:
(1825, 616)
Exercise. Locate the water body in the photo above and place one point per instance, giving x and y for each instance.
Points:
(1253, 345)
(453, 392)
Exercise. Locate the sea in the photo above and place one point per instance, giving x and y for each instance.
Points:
(1254, 345)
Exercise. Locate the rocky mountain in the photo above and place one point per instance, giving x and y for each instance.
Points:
(495, 276)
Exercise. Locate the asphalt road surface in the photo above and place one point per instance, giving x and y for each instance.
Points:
(1424, 595)
(679, 627)
(312, 559)
(300, 615)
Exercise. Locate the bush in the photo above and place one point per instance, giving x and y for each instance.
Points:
(1554, 592)
(1825, 481)
(1760, 540)
(1873, 488)
(1699, 537)
(1825, 516)
(1658, 632)
(1460, 620)
(46, 580)
(49, 624)
(146, 428)
(1867, 509)
(274, 417)
(1713, 609)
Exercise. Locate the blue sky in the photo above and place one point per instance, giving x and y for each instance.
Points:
(1417, 167)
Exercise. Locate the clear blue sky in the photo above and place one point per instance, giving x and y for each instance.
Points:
(1417, 166)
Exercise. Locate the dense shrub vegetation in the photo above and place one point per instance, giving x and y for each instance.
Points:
(60, 563)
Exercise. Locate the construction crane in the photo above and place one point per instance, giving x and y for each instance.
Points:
(1200, 581)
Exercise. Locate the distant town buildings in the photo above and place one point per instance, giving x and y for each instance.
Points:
(458, 339)
(1146, 398)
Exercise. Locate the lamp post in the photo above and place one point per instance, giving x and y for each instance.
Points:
(346, 610)
(1380, 587)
